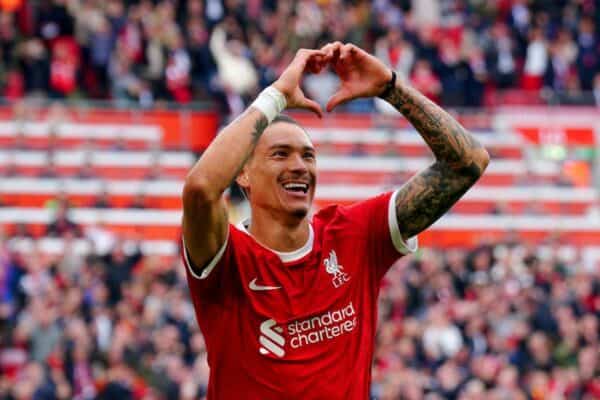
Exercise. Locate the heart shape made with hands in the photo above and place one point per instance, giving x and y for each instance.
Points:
(360, 73)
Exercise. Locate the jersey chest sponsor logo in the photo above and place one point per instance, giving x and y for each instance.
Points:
(306, 332)
(334, 268)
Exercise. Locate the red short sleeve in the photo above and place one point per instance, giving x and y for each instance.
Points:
(376, 217)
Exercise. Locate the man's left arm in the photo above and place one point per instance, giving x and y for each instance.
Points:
(460, 161)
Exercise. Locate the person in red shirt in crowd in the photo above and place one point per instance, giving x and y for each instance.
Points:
(288, 304)
(425, 81)
(63, 66)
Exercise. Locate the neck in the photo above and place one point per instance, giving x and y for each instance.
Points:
(276, 234)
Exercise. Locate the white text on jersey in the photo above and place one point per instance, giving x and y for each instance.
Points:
(326, 326)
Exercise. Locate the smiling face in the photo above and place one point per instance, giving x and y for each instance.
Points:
(280, 177)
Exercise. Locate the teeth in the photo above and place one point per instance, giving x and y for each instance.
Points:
(295, 186)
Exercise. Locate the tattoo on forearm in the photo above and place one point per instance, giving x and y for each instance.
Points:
(429, 194)
(448, 140)
(259, 127)
(460, 161)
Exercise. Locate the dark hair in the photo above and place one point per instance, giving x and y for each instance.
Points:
(286, 118)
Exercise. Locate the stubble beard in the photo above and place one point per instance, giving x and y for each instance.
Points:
(300, 213)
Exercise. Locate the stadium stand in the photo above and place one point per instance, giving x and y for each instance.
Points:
(503, 300)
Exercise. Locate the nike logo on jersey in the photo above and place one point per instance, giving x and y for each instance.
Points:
(255, 287)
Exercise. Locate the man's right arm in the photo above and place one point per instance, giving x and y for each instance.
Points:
(205, 221)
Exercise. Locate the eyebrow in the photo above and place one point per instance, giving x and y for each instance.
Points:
(289, 147)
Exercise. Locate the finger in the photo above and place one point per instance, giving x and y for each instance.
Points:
(299, 64)
(339, 67)
(340, 97)
(313, 106)
(306, 54)
(346, 51)
(321, 62)
(332, 48)
(326, 48)
(316, 64)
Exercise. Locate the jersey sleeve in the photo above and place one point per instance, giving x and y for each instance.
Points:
(377, 219)
(217, 274)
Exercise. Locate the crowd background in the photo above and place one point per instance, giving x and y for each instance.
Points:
(461, 53)
(505, 320)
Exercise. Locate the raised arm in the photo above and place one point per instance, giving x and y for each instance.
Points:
(460, 161)
(205, 220)
(460, 158)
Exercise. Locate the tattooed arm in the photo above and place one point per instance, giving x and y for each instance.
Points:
(205, 221)
(460, 161)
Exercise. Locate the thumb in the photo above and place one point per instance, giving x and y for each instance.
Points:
(341, 96)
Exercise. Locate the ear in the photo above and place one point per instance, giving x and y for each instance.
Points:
(242, 179)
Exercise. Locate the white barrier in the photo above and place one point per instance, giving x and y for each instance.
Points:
(330, 192)
(78, 158)
(149, 133)
(153, 217)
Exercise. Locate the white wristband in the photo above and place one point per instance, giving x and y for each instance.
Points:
(270, 102)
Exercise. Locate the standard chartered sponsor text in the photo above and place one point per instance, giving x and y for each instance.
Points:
(323, 327)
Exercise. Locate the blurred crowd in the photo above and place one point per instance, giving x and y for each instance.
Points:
(461, 53)
(502, 321)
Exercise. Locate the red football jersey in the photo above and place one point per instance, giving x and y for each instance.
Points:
(298, 325)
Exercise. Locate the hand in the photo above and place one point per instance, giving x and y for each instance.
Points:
(361, 74)
(289, 82)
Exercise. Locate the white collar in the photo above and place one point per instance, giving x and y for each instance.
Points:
(285, 256)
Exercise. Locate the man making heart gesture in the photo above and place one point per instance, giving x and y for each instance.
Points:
(287, 304)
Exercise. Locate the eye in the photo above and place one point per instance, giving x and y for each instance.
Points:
(309, 155)
(280, 153)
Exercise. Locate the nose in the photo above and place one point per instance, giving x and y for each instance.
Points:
(297, 163)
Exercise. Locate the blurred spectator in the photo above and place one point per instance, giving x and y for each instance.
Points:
(501, 57)
(424, 80)
(62, 224)
(87, 170)
(50, 169)
(596, 92)
(102, 200)
(138, 202)
(63, 67)
(588, 58)
(441, 339)
(34, 66)
(393, 50)
(536, 60)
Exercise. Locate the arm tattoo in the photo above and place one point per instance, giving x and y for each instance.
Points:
(259, 127)
(460, 161)
(429, 194)
(448, 140)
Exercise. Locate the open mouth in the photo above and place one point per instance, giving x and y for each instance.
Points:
(296, 187)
